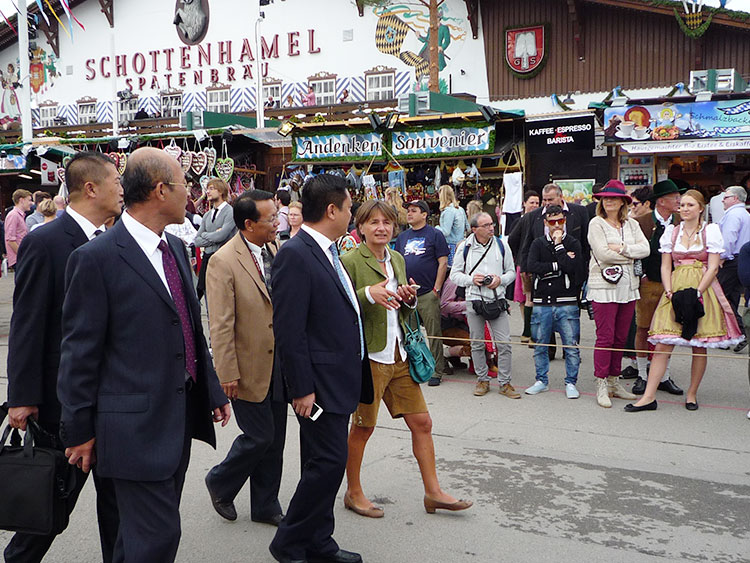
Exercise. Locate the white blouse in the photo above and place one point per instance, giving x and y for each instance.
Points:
(714, 240)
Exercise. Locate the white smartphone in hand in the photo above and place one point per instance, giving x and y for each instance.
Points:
(415, 286)
(316, 411)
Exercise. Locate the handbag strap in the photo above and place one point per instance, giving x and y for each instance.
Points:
(407, 324)
(466, 252)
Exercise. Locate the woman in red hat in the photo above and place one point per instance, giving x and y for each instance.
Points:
(616, 243)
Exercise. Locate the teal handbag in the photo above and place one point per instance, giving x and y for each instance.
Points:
(421, 362)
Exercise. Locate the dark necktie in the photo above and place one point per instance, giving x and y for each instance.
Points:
(267, 263)
(97, 232)
(174, 281)
(213, 217)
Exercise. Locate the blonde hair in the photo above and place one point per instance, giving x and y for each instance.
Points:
(393, 197)
(47, 208)
(447, 197)
(220, 185)
(295, 204)
(622, 213)
(697, 196)
(473, 207)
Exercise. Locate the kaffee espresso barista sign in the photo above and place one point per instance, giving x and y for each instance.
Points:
(555, 135)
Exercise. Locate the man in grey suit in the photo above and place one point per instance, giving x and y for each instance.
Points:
(216, 228)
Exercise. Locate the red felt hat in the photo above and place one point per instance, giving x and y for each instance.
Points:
(614, 188)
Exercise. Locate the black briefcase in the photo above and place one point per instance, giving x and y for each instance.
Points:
(35, 483)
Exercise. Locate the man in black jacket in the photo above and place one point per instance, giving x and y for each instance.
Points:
(577, 223)
(555, 259)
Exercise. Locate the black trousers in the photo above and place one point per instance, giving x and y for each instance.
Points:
(730, 284)
(256, 454)
(307, 528)
(200, 287)
(150, 510)
(31, 548)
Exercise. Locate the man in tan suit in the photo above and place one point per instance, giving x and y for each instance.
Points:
(239, 298)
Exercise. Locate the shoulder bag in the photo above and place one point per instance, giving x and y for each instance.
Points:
(490, 310)
(421, 362)
(35, 484)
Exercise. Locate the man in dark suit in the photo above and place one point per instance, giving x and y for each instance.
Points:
(318, 329)
(576, 223)
(239, 297)
(35, 328)
(136, 382)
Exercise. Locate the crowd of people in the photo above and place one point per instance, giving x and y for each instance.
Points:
(310, 301)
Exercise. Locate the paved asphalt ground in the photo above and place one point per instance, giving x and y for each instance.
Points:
(552, 479)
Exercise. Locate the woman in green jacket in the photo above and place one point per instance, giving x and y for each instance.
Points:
(387, 300)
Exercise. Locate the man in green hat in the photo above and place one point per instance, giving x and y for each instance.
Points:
(665, 203)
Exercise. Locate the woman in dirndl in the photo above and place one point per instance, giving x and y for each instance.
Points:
(693, 247)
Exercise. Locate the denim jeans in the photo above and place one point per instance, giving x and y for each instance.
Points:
(546, 320)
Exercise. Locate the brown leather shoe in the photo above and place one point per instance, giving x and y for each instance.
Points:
(374, 512)
(431, 505)
(482, 388)
(509, 391)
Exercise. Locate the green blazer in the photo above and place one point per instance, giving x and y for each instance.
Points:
(365, 270)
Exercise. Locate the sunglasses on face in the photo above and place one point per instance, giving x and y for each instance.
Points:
(554, 222)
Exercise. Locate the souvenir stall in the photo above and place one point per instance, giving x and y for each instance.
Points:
(417, 155)
(238, 159)
(705, 144)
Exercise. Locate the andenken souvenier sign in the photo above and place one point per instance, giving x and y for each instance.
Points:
(442, 142)
(554, 135)
(345, 146)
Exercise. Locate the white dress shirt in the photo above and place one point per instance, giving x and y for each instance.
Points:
(149, 241)
(257, 253)
(325, 244)
(87, 226)
(392, 325)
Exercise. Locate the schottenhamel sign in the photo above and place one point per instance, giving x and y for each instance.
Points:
(554, 135)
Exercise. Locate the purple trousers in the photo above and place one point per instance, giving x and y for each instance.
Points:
(612, 327)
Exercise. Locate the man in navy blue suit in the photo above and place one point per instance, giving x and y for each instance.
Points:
(319, 340)
(136, 382)
(35, 329)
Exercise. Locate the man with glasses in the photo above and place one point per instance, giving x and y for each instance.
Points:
(558, 268)
(735, 229)
(239, 284)
(666, 202)
(483, 264)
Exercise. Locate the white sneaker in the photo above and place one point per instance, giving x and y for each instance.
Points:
(748, 414)
(537, 388)
(571, 392)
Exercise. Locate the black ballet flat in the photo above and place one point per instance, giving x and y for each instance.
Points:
(630, 407)
(692, 406)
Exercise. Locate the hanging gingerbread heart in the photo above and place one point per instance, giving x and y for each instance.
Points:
(198, 165)
(224, 168)
(174, 151)
(210, 153)
(115, 157)
(61, 174)
(204, 183)
(122, 161)
(186, 159)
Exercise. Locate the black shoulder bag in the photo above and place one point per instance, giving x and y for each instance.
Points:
(35, 484)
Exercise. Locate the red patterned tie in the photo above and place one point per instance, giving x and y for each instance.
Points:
(174, 281)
